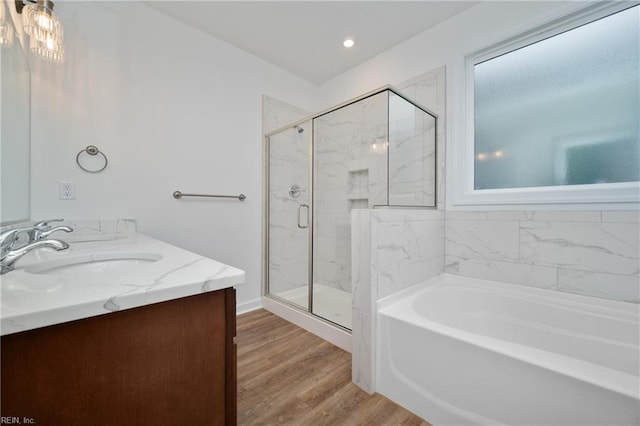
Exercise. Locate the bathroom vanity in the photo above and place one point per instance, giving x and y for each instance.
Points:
(130, 331)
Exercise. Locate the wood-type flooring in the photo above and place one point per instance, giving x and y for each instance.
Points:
(288, 376)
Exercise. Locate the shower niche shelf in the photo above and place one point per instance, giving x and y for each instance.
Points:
(358, 203)
(358, 181)
(358, 189)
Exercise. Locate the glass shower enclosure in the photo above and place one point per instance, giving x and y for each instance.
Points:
(376, 151)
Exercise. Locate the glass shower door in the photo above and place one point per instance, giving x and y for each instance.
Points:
(289, 228)
(350, 172)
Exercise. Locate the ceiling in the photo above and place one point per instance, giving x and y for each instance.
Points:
(305, 37)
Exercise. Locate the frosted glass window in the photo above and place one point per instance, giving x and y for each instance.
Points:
(562, 111)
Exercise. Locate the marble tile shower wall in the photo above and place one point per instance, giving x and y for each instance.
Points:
(594, 253)
(288, 244)
(289, 164)
(349, 174)
(429, 90)
(411, 154)
(277, 114)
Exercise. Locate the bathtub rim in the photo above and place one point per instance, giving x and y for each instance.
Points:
(614, 380)
(629, 308)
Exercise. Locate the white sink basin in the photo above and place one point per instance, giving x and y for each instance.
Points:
(100, 263)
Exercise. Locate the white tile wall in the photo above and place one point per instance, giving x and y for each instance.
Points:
(429, 90)
(361, 260)
(411, 154)
(495, 240)
(586, 246)
(631, 216)
(277, 114)
(289, 164)
(407, 252)
(392, 249)
(362, 350)
(509, 272)
(608, 286)
(595, 253)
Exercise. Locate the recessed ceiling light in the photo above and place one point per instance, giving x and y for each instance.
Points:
(348, 42)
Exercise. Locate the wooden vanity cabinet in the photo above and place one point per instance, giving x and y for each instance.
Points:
(170, 363)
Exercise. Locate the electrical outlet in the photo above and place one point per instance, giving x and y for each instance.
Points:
(67, 190)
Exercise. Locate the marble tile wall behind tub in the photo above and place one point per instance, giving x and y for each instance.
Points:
(595, 253)
(392, 249)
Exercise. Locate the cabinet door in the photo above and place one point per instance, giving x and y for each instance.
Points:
(161, 364)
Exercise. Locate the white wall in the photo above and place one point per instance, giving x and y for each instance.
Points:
(445, 44)
(173, 109)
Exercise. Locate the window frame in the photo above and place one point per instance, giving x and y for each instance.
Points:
(620, 195)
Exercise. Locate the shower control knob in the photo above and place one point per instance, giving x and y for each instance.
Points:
(295, 191)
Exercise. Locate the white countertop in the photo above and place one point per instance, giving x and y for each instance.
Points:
(32, 300)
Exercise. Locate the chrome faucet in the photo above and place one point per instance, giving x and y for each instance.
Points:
(37, 232)
(8, 259)
(36, 238)
(42, 230)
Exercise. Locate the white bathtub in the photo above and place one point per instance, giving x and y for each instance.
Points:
(461, 351)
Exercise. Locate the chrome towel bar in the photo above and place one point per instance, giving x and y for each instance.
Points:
(177, 195)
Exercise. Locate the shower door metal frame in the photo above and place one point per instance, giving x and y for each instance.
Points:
(265, 223)
(265, 192)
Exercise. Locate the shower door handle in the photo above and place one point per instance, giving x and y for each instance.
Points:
(299, 211)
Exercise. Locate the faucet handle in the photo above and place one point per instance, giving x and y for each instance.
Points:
(45, 223)
(40, 227)
(8, 238)
(42, 234)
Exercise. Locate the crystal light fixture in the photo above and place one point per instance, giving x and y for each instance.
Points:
(6, 29)
(46, 38)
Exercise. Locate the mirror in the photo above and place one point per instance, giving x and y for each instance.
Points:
(15, 132)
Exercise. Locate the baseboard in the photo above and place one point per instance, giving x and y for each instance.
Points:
(251, 305)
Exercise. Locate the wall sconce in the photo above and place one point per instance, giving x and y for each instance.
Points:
(46, 38)
(6, 28)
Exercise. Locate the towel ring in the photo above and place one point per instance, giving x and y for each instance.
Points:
(92, 150)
